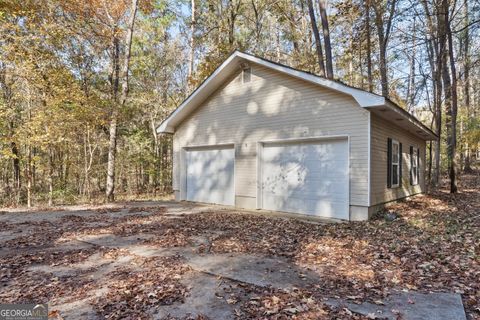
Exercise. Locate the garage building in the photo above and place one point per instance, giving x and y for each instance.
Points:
(260, 135)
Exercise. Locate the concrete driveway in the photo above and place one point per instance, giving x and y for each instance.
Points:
(167, 260)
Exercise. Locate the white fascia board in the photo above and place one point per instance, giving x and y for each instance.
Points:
(165, 128)
(363, 98)
(406, 121)
(425, 132)
(200, 94)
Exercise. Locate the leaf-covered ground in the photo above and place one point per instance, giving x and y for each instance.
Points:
(432, 245)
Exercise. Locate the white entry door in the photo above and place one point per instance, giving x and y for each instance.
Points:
(210, 175)
(306, 177)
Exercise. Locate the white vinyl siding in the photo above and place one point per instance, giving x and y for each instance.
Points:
(381, 130)
(274, 106)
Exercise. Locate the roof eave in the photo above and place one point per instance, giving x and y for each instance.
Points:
(420, 129)
(165, 128)
(364, 99)
(430, 135)
(196, 97)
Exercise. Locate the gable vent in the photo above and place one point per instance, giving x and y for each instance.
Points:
(246, 74)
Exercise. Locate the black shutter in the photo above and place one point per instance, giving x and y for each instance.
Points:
(389, 163)
(411, 165)
(418, 165)
(400, 161)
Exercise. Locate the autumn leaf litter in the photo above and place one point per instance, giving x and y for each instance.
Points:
(433, 245)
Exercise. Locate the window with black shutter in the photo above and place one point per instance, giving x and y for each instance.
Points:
(389, 163)
(418, 165)
(394, 175)
(413, 166)
(400, 163)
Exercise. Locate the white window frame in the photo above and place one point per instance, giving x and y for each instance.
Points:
(393, 185)
(414, 162)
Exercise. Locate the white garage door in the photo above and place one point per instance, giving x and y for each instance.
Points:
(308, 177)
(210, 175)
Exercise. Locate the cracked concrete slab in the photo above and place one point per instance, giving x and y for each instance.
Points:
(63, 247)
(213, 275)
(257, 270)
(207, 296)
(96, 268)
(9, 235)
(148, 251)
(113, 241)
(410, 306)
(96, 263)
(80, 309)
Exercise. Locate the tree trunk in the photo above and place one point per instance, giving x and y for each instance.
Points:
(85, 165)
(447, 87)
(351, 73)
(278, 49)
(112, 146)
(411, 76)
(382, 47)
(191, 55)
(360, 76)
(466, 81)
(112, 141)
(383, 33)
(326, 39)
(383, 69)
(438, 126)
(318, 42)
(452, 111)
(369, 46)
(16, 170)
(430, 164)
(155, 152)
(29, 177)
(436, 58)
(50, 178)
(128, 49)
(34, 168)
(258, 26)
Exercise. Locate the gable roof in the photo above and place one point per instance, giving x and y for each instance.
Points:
(232, 64)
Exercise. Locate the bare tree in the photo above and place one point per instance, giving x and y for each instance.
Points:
(451, 103)
(369, 46)
(436, 54)
(326, 39)
(318, 43)
(112, 145)
(411, 91)
(191, 55)
(383, 22)
(466, 79)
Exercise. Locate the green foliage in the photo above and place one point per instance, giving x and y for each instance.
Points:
(56, 63)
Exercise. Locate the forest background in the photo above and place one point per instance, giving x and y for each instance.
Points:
(83, 84)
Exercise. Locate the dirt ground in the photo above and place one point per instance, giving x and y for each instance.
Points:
(166, 260)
